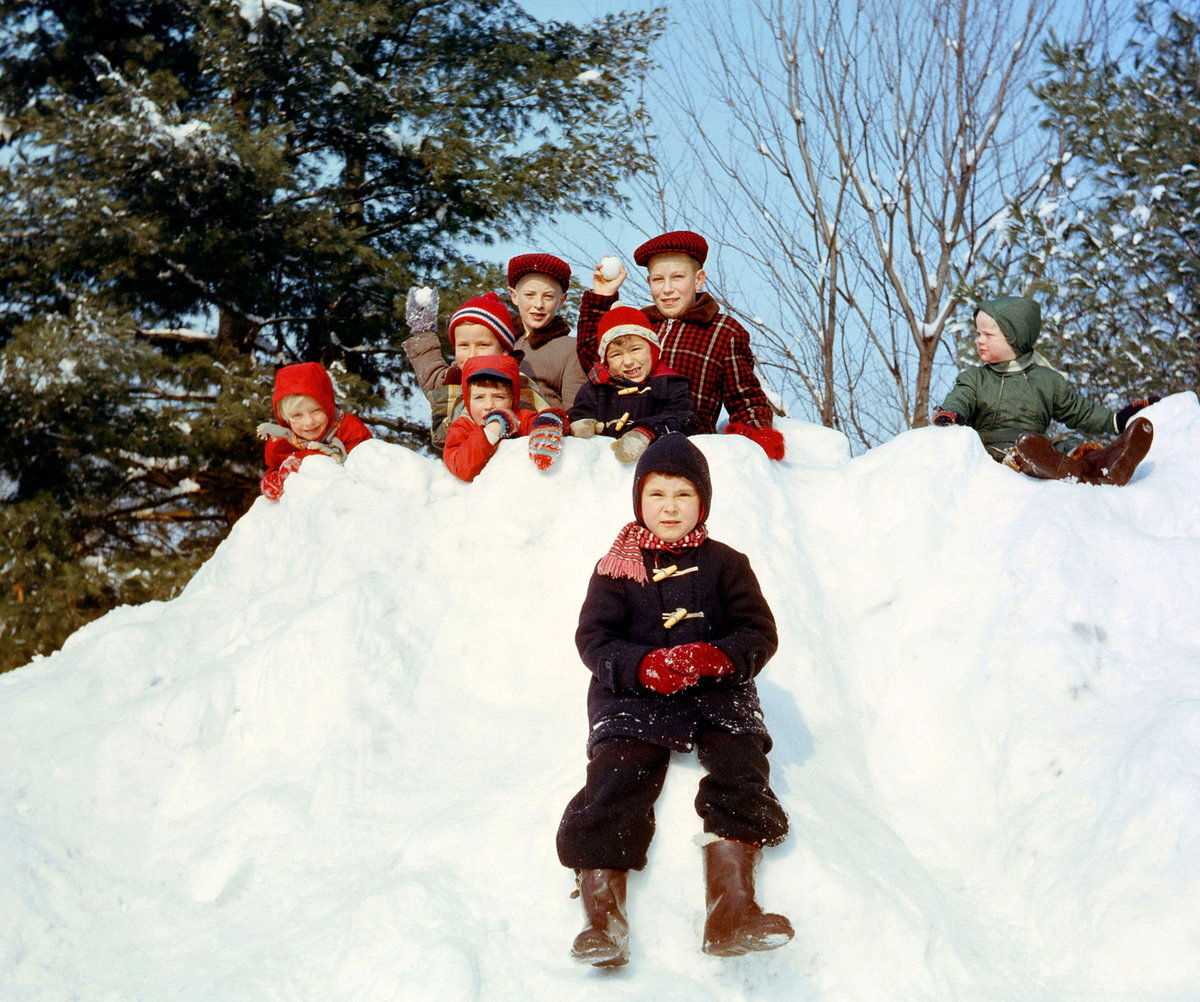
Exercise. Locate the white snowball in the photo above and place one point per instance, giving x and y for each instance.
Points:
(610, 267)
(424, 295)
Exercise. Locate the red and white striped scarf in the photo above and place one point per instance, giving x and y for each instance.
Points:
(624, 557)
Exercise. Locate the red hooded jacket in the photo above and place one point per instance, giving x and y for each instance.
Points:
(310, 380)
(467, 449)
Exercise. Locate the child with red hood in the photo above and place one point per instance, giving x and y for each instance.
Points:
(631, 394)
(491, 394)
(310, 424)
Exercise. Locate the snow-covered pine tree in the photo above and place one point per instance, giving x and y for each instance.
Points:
(195, 192)
(1113, 250)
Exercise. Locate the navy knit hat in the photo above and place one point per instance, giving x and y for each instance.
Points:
(675, 456)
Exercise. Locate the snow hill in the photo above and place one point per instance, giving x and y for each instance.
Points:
(332, 768)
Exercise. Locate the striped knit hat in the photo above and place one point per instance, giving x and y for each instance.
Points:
(490, 311)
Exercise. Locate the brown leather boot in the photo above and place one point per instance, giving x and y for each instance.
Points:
(604, 941)
(1115, 463)
(736, 924)
(1036, 457)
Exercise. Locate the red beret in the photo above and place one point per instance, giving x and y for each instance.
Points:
(542, 264)
(675, 242)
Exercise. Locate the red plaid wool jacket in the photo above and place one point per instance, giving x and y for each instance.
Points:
(711, 350)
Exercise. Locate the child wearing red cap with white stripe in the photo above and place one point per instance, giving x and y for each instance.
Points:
(631, 395)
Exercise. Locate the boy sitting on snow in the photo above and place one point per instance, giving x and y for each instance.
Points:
(309, 425)
(491, 386)
(708, 348)
(630, 394)
(674, 629)
(537, 286)
(481, 326)
(1012, 398)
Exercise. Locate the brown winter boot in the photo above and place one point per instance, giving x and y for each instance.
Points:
(1036, 457)
(736, 924)
(604, 941)
(1115, 463)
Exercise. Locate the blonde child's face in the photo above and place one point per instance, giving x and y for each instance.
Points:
(307, 419)
(629, 357)
(675, 281)
(537, 298)
(990, 342)
(475, 339)
(482, 398)
(670, 506)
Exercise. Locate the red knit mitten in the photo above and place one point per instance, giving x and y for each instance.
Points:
(271, 484)
(546, 438)
(659, 672)
(708, 659)
(769, 439)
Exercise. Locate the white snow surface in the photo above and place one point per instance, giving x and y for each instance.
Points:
(333, 767)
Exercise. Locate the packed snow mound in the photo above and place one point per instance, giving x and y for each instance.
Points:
(334, 766)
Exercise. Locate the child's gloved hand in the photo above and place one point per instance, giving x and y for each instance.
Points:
(768, 439)
(668, 670)
(586, 428)
(546, 438)
(421, 309)
(659, 672)
(944, 418)
(499, 423)
(632, 444)
(1129, 410)
(272, 481)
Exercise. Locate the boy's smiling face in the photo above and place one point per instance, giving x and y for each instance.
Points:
(629, 357)
(670, 506)
(307, 419)
(990, 342)
(537, 298)
(675, 281)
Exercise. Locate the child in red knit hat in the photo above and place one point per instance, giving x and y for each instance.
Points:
(483, 325)
(674, 630)
(537, 286)
(309, 425)
(631, 395)
(708, 348)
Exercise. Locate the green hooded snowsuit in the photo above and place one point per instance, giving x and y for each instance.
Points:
(1002, 400)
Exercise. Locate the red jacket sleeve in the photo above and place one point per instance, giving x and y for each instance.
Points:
(467, 449)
